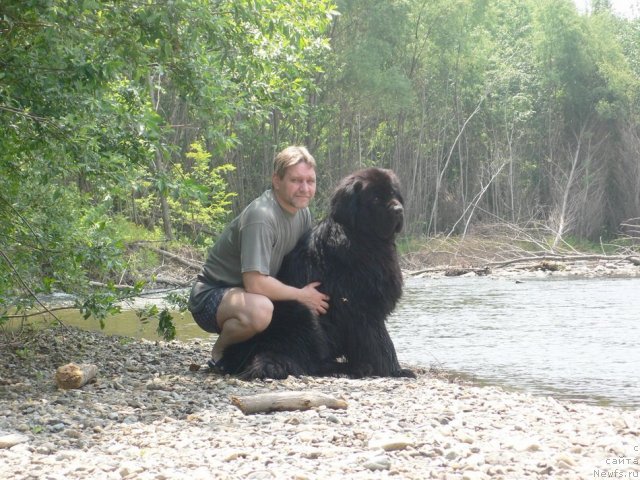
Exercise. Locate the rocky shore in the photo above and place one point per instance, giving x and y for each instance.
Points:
(582, 266)
(152, 414)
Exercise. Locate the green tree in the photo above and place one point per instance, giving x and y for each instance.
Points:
(100, 102)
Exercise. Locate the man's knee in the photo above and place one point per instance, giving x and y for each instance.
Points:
(261, 313)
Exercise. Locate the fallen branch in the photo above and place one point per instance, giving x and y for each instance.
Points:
(452, 271)
(173, 281)
(413, 273)
(282, 401)
(173, 256)
(40, 312)
(28, 289)
(566, 258)
(123, 286)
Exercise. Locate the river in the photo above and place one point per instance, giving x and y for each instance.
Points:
(572, 338)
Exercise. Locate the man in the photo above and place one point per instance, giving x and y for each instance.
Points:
(233, 295)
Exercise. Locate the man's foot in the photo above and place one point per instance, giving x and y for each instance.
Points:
(216, 354)
(216, 367)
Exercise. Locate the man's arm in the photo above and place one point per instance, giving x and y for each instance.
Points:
(274, 289)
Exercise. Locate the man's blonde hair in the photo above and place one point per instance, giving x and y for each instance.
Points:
(290, 156)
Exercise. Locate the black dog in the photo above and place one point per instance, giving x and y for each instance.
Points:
(353, 254)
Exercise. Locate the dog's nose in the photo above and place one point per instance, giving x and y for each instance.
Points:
(397, 208)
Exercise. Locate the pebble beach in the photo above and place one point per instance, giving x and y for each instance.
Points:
(154, 413)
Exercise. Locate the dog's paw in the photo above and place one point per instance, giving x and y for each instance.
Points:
(404, 372)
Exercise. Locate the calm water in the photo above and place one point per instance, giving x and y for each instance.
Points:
(570, 338)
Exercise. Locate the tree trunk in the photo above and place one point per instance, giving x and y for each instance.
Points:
(164, 205)
(159, 170)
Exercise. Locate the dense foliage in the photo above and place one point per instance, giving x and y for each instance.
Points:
(115, 110)
(166, 115)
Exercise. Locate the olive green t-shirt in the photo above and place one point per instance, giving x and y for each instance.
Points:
(255, 241)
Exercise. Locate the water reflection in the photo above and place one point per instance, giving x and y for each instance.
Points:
(575, 338)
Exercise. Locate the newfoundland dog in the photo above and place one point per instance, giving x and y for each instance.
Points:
(353, 254)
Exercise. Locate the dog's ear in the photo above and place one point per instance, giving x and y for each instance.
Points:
(344, 202)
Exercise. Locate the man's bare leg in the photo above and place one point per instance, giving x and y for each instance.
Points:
(241, 315)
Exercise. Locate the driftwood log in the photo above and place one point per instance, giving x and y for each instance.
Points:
(11, 439)
(567, 258)
(283, 401)
(75, 376)
(457, 272)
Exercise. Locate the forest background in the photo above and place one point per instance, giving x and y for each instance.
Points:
(156, 120)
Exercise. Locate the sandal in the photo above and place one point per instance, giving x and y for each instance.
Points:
(216, 367)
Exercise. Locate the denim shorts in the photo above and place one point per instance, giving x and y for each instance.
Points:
(206, 318)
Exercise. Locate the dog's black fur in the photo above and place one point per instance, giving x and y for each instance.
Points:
(353, 254)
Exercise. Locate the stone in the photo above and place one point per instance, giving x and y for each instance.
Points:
(378, 463)
(186, 427)
(390, 443)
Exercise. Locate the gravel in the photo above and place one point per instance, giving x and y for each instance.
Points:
(153, 414)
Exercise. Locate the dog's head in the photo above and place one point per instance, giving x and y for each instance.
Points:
(369, 202)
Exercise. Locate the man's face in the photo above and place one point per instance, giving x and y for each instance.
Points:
(296, 189)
